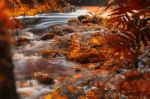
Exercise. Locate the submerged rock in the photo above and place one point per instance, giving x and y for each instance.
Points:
(25, 68)
(47, 36)
(22, 41)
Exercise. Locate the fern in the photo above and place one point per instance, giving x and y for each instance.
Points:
(133, 16)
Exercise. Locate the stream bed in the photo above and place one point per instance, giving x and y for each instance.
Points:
(27, 59)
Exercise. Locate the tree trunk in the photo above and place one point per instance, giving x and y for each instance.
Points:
(7, 81)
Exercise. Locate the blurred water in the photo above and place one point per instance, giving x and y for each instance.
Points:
(26, 59)
(46, 20)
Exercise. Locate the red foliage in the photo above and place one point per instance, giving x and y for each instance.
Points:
(128, 5)
(136, 84)
(5, 23)
(133, 16)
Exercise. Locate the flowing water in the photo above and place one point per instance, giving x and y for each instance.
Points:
(43, 21)
(26, 59)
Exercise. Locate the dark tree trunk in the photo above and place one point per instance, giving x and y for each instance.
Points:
(7, 81)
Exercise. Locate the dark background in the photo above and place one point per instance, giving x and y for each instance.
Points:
(87, 2)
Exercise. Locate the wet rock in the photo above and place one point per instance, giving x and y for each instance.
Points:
(90, 58)
(22, 41)
(60, 30)
(96, 20)
(87, 56)
(23, 33)
(73, 22)
(68, 30)
(83, 18)
(89, 19)
(46, 54)
(47, 36)
(38, 31)
(43, 78)
(77, 69)
(56, 29)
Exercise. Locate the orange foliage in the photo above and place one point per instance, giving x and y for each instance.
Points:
(136, 84)
(109, 49)
(32, 7)
(65, 92)
(71, 89)
(5, 23)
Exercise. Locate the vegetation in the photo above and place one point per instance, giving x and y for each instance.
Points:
(32, 7)
(107, 60)
(133, 16)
